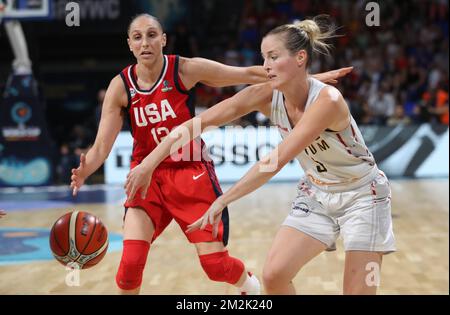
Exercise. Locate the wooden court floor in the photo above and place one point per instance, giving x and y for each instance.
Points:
(420, 266)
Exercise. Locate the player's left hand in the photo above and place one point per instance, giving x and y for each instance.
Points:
(212, 216)
(2, 213)
(332, 76)
(138, 178)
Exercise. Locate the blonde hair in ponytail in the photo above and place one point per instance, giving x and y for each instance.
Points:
(310, 35)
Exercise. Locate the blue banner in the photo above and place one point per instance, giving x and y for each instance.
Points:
(25, 146)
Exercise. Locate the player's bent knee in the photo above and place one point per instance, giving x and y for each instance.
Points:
(269, 278)
(131, 268)
(221, 267)
(273, 277)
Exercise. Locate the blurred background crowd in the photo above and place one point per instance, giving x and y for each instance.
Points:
(400, 71)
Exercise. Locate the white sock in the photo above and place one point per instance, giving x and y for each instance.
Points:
(251, 285)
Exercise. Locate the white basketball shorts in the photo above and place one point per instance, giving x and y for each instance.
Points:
(362, 216)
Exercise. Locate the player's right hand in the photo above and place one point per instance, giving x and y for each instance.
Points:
(138, 179)
(213, 216)
(77, 179)
(2, 213)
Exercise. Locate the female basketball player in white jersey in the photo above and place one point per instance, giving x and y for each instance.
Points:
(343, 191)
(156, 83)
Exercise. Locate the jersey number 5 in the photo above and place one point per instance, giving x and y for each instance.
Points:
(320, 168)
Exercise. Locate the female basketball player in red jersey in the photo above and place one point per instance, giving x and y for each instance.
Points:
(154, 96)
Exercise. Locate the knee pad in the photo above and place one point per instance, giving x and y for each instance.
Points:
(221, 267)
(131, 268)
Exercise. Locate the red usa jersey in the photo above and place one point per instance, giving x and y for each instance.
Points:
(154, 113)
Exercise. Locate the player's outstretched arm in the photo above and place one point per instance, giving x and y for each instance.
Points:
(255, 97)
(109, 127)
(212, 73)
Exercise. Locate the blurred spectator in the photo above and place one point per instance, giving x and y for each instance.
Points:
(399, 117)
(67, 161)
(250, 32)
(232, 55)
(381, 105)
(80, 140)
(248, 55)
(435, 105)
(359, 110)
(182, 41)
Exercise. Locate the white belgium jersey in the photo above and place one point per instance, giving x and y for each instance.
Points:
(335, 161)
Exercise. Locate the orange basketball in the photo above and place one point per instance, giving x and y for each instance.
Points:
(79, 239)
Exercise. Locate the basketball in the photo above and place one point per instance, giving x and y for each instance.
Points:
(79, 239)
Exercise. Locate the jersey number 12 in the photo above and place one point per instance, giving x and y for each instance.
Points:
(159, 134)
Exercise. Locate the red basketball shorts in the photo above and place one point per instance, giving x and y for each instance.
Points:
(183, 191)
